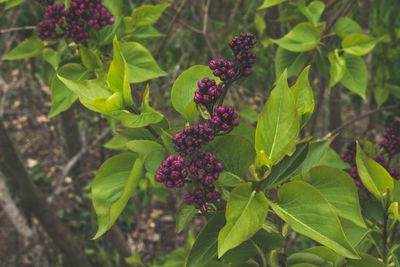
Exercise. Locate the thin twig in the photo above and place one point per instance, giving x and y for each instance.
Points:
(360, 117)
(163, 42)
(205, 30)
(73, 161)
(14, 29)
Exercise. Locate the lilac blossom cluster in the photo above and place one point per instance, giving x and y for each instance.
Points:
(194, 166)
(390, 146)
(74, 22)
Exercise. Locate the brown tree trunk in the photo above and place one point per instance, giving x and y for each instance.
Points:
(18, 178)
(335, 115)
(73, 141)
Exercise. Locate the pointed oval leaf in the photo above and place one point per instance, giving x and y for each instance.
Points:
(337, 68)
(61, 97)
(358, 44)
(183, 90)
(293, 62)
(302, 38)
(113, 186)
(141, 64)
(345, 26)
(304, 96)
(205, 247)
(278, 124)
(304, 208)
(339, 189)
(373, 175)
(28, 48)
(245, 214)
(235, 158)
(356, 77)
(270, 3)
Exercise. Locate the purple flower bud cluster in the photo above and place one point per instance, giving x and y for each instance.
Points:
(200, 197)
(201, 167)
(190, 139)
(391, 139)
(53, 17)
(76, 21)
(246, 60)
(243, 42)
(204, 165)
(223, 69)
(207, 92)
(225, 118)
(172, 172)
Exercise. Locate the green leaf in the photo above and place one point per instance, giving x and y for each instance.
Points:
(332, 159)
(304, 208)
(28, 48)
(114, 6)
(270, 3)
(282, 171)
(147, 116)
(358, 44)
(293, 62)
(381, 95)
(113, 186)
(148, 14)
(339, 190)
(337, 67)
(90, 58)
(229, 179)
(146, 32)
(95, 95)
(119, 140)
(118, 74)
(141, 64)
(236, 159)
(61, 97)
(345, 26)
(183, 90)
(13, 3)
(143, 147)
(278, 123)
(316, 152)
(356, 77)
(304, 96)
(373, 175)
(313, 11)
(302, 38)
(366, 261)
(205, 246)
(184, 215)
(260, 24)
(245, 214)
(52, 57)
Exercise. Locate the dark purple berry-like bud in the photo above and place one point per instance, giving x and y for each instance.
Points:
(243, 42)
(172, 172)
(191, 138)
(391, 139)
(200, 198)
(223, 69)
(225, 118)
(207, 92)
(204, 165)
(52, 17)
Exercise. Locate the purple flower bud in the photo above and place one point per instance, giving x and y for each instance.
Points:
(225, 118)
